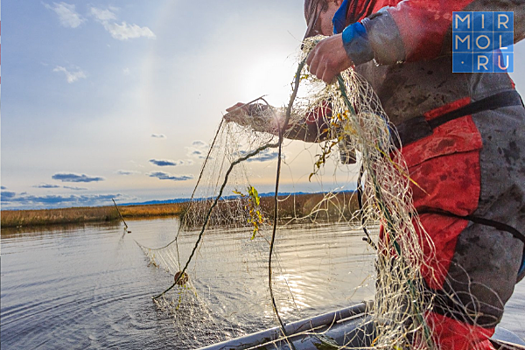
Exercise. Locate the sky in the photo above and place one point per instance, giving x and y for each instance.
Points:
(120, 99)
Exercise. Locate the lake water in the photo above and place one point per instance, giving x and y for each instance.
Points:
(90, 287)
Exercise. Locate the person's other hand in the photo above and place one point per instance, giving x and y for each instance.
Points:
(328, 58)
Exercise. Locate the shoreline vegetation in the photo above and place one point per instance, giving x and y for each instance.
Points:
(289, 206)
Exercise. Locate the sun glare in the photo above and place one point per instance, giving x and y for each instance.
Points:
(271, 75)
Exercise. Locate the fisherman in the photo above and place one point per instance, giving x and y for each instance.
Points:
(463, 138)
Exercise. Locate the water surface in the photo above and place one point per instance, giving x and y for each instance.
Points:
(90, 287)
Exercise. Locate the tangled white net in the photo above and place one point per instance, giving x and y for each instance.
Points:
(349, 117)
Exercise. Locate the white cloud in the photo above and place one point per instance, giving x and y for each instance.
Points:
(67, 15)
(126, 31)
(198, 149)
(122, 31)
(199, 143)
(13, 200)
(75, 188)
(127, 172)
(164, 162)
(103, 15)
(167, 176)
(73, 76)
(71, 177)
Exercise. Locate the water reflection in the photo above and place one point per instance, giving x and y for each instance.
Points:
(310, 268)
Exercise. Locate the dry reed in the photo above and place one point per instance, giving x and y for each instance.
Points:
(291, 206)
(17, 218)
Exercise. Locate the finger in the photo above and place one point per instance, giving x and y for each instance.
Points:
(230, 116)
(310, 57)
(235, 106)
(313, 67)
(328, 75)
(320, 70)
(234, 117)
(328, 78)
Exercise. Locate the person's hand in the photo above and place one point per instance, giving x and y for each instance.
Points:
(328, 58)
(237, 113)
(260, 117)
(243, 114)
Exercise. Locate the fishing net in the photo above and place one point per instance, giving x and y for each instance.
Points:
(255, 234)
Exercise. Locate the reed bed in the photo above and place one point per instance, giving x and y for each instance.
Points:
(299, 208)
(20, 218)
(290, 206)
(136, 211)
(313, 205)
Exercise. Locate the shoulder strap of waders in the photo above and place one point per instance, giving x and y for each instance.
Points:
(482, 221)
(417, 128)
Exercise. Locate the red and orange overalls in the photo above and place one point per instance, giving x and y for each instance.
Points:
(470, 166)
